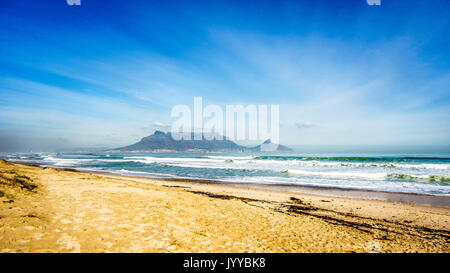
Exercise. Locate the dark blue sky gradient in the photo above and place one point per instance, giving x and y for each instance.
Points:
(102, 73)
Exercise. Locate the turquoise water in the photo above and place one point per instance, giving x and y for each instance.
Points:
(412, 173)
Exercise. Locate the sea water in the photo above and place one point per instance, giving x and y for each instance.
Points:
(410, 173)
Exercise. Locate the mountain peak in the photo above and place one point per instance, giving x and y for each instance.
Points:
(160, 141)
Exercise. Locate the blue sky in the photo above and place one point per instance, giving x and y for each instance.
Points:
(343, 72)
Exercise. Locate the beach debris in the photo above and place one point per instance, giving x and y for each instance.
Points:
(12, 179)
(373, 247)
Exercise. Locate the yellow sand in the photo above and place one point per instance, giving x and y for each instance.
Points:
(85, 212)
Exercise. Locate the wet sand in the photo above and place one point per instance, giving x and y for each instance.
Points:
(72, 211)
(409, 198)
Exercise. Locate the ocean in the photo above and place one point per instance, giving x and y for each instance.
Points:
(407, 173)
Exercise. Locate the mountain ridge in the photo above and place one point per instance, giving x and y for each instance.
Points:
(161, 141)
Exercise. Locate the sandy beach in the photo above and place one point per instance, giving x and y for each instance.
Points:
(54, 210)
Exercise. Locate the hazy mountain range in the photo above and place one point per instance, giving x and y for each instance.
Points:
(160, 141)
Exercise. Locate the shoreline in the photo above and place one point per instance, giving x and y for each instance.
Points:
(401, 197)
(75, 211)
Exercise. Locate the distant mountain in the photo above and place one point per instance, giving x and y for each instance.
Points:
(163, 142)
(269, 146)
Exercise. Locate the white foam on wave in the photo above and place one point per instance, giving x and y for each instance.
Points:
(339, 174)
(294, 167)
(137, 173)
(230, 157)
(76, 161)
(406, 187)
(425, 166)
(151, 159)
(313, 163)
(208, 166)
(65, 161)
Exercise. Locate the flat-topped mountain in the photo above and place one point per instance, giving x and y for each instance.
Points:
(164, 141)
(161, 141)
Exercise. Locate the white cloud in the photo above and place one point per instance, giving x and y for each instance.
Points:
(304, 124)
(158, 124)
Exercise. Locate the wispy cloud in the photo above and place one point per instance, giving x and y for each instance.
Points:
(161, 125)
(301, 125)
